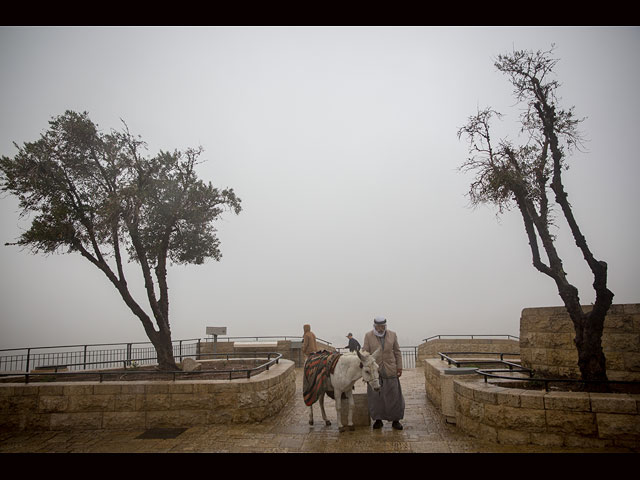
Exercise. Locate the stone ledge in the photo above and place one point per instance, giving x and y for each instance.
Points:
(146, 404)
(516, 416)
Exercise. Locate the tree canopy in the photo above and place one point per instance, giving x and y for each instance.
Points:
(529, 176)
(97, 194)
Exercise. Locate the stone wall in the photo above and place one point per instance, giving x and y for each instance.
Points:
(572, 419)
(145, 404)
(518, 416)
(546, 342)
(289, 349)
(431, 348)
(438, 381)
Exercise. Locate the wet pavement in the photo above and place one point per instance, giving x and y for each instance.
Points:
(425, 431)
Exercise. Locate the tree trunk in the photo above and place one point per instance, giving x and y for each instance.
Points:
(164, 349)
(591, 359)
(588, 340)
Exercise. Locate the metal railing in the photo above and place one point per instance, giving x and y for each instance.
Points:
(480, 361)
(526, 374)
(439, 337)
(409, 355)
(106, 355)
(83, 357)
(128, 369)
(262, 337)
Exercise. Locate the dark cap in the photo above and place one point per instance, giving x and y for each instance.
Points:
(349, 334)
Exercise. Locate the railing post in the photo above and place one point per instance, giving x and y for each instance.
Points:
(28, 359)
(128, 353)
(84, 360)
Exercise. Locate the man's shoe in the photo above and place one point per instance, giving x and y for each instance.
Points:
(396, 424)
(377, 424)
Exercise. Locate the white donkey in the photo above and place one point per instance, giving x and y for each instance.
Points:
(349, 368)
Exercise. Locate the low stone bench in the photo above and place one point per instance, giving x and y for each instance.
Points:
(361, 416)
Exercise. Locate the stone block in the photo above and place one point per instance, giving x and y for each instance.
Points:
(224, 399)
(618, 425)
(573, 401)
(48, 390)
(578, 441)
(513, 437)
(191, 401)
(125, 402)
(191, 365)
(572, 423)
(219, 416)
(54, 403)
(562, 357)
(612, 403)
(131, 388)
(618, 323)
(78, 389)
(532, 399)
(107, 388)
(486, 393)
(510, 397)
(629, 308)
(464, 389)
(20, 404)
(91, 403)
(631, 361)
(621, 342)
(156, 388)
(180, 387)
(546, 439)
(160, 401)
(360, 410)
(511, 418)
(123, 420)
(77, 420)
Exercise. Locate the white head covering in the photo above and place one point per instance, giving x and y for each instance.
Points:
(380, 321)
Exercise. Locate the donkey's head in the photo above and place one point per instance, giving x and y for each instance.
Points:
(369, 368)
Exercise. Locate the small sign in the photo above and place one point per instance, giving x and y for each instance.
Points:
(216, 330)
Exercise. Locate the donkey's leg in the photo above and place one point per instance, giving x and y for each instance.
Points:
(338, 399)
(350, 412)
(324, 415)
(311, 414)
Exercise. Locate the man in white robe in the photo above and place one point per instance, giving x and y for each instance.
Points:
(388, 402)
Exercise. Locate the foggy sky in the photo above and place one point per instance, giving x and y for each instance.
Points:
(342, 144)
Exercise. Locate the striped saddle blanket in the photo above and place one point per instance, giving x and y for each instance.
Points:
(316, 380)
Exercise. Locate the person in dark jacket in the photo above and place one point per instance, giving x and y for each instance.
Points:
(354, 345)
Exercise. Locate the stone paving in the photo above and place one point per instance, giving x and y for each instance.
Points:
(425, 431)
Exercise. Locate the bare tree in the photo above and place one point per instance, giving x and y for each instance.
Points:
(529, 176)
(96, 194)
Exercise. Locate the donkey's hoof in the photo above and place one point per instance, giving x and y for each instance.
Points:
(342, 429)
(352, 428)
(327, 422)
(310, 422)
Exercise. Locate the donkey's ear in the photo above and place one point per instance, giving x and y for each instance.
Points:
(360, 355)
(377, 354)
